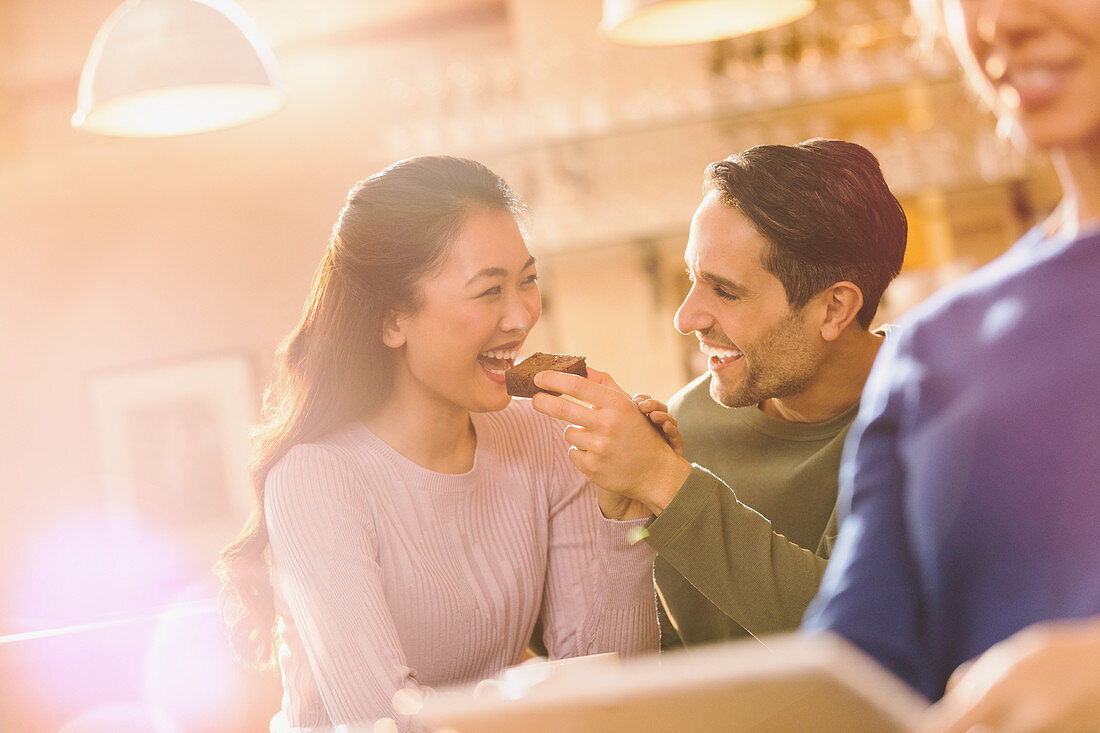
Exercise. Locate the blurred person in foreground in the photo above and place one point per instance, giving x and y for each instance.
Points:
(788, 254)
(412, 520)
(1044, 678)
(971, 480)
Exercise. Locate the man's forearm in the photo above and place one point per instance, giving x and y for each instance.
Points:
(731, 555)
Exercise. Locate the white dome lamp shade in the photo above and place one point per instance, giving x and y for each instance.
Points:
(175, 67)
(669, 22)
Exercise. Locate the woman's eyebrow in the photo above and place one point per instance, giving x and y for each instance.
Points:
(497, 271)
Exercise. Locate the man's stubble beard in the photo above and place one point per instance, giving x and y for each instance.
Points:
(780, 365)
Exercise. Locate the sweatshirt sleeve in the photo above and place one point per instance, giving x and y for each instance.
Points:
(325, 568)
(869, 594)
(599, 593)
(731, 554)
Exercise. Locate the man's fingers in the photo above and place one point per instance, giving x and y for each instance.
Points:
(563, 409)
(577, 387)
(585, 440)
(580, 459)
(661, 418)
(604, 379)
(649, 405)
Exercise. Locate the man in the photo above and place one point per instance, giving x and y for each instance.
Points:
(788, 254)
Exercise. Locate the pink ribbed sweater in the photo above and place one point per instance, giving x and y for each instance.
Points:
(390, 576)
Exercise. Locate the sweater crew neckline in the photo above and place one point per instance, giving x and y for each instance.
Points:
(762, 422)
(426, 479)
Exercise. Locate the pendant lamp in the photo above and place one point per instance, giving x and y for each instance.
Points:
(175, 67)
(668, 22)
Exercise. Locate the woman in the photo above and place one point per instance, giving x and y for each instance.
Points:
(420, 522)
(972, 469)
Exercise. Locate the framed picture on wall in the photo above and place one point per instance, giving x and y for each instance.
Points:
(173, 444)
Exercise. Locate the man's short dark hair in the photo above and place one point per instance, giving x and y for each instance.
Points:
(824, 207)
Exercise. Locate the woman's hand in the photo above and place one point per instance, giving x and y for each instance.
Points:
(1044, 678)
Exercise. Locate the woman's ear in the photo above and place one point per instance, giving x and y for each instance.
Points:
(842, 302)
(393, 334)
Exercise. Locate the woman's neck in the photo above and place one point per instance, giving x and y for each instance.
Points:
(430, 434)
(1078, 171)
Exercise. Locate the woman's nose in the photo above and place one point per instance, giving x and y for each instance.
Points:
(519, 314)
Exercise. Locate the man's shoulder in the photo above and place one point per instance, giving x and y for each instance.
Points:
(693, 394)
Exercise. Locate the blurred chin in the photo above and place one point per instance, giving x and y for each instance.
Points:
(1052, 131)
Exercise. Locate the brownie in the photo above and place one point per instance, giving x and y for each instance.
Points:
(520, 379)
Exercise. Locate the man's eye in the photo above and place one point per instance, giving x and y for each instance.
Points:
(531, 279)
(724, 295)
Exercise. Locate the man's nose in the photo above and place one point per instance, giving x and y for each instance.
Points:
(690, 316)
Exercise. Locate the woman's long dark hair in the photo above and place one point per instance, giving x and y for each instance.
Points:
(395, 228)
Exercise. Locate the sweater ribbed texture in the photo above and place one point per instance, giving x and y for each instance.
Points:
(390, 576)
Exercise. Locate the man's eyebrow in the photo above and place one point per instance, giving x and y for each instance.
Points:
(724, 283)
(497, 271)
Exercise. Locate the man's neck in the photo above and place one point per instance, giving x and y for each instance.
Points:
(838, 384)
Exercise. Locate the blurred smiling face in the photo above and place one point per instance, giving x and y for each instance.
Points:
(758, 346)
(475, 313)
(1041, 59)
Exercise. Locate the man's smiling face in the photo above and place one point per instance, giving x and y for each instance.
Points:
(758, 347)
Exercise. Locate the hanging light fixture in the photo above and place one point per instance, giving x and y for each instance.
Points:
(668, 22)
(174, 67)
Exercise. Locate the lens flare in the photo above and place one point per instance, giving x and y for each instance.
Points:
(191, 677)
(85, 595)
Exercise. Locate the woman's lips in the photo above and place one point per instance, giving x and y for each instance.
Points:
(494, 361)
(1032, 86)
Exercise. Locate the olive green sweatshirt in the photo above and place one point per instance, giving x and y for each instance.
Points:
(743, 545)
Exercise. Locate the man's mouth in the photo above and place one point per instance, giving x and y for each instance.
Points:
(495, 361)
(720, 356)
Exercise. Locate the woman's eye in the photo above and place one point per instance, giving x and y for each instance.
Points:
(490, 291)
(531, 279)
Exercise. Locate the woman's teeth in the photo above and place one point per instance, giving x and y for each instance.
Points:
(1035, 80)
(505, 355)
(495, 362)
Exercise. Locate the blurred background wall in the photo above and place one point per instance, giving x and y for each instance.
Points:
(144, 284)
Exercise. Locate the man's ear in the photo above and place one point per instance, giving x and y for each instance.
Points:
(393, 333)
(841, 303)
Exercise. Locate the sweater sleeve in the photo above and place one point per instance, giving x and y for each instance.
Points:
(599, 584)
(325, 567)
(869, 593)
(730, 553)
